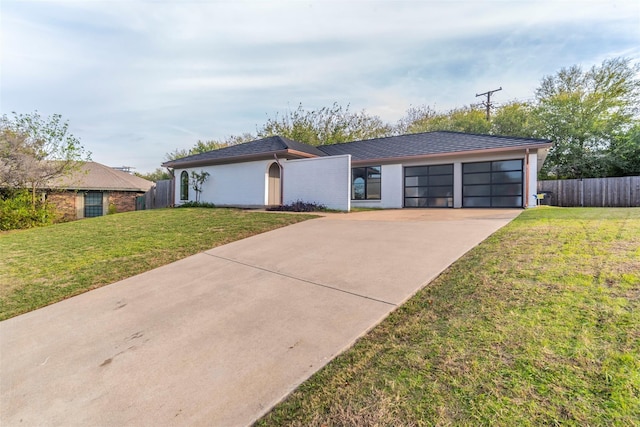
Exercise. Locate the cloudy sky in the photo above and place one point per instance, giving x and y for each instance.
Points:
(137, 79)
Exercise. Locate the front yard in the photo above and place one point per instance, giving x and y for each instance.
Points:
(44, 265)
(538, 325)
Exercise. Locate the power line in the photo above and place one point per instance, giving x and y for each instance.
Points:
(488, 103)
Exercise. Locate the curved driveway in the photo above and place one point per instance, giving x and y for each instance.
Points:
(220, 337)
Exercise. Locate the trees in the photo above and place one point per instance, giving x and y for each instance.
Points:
(584, 112)
(514, 119)
(465, 119)
(624, 153)
(204, 146)
(328, 125)
(35, 150)
(155, 176)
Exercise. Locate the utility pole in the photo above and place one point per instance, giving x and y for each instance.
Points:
(488, 103)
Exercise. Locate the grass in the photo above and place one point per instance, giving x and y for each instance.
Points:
(45, 265)
(538, 325)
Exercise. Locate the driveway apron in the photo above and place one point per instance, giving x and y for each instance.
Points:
(220, 337)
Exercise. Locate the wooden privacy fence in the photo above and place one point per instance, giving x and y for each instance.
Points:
(159, 196)
(592, 192)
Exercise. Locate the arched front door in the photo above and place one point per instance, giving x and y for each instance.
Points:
(274, 184)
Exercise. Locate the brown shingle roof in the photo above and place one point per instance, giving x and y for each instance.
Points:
(95, 176)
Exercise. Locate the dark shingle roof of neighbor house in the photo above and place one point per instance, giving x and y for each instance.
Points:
(264, 146)
(96, 176)
(425, 144)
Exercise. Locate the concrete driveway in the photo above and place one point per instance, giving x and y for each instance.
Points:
(220, 337)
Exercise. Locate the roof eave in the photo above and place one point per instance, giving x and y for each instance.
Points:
(450, 154)
(238, 159)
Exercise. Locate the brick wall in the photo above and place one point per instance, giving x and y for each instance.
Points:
(124, 201)
(66, 202)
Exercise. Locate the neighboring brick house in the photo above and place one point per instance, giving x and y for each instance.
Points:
(93, 189)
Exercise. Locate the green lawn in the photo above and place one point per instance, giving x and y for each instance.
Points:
(44, 265)
(538, 325)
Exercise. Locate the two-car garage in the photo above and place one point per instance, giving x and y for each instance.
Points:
(489, 184)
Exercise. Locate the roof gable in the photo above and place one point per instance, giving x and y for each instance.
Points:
(260, 147)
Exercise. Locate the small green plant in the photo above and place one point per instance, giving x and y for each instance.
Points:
(197, 180)
(112, 209)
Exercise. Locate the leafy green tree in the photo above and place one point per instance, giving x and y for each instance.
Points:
(466, 119)
(35, 150)
(210, 145)
(514, 119)
(624, 153)
(328, 125)
(157, 175)
(583, 112)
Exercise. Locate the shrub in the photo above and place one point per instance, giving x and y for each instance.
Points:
(300, 206)
(196, 205)
(17, 212)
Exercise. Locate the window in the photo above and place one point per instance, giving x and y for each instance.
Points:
(492, 184)
(184, 186)
(365, 183)
(92, 204)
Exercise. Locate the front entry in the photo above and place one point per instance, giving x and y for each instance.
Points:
(274, 185)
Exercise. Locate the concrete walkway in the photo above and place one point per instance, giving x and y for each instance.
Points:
(218, 338)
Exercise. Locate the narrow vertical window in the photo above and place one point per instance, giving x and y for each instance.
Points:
(184, 186)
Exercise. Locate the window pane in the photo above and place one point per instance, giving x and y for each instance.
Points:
(476, 190)
(507, 165)
(477, 178)
(506, 177)
(441, 170)
(507, 202)
(441, 180)
(411, 192)
(476, 167)
(373, 189)
(358, 188)
(440, 202)
(92, 204)
(440, 192)
(411, 203)
(423, 180)
(476, 202)
(415, 171)
(507, 190)
(184, 186)
(411, 181)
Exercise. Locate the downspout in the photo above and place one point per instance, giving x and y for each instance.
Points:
(275, 156)
(526, 177)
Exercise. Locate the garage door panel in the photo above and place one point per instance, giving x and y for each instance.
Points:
(493, 184)
(428, 186)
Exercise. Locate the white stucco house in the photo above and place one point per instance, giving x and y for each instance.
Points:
(424, 170)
